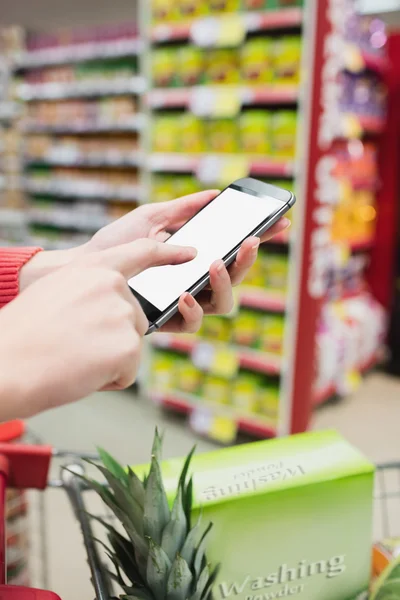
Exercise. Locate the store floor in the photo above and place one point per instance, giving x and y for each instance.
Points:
(124, 425)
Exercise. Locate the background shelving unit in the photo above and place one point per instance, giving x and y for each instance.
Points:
(218, 383)
(84, 130)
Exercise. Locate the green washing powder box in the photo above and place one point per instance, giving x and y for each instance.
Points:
(292, 517)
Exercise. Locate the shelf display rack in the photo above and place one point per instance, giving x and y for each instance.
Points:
(84, 130)
(292, 93)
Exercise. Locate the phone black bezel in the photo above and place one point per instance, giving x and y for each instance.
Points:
(154, 314)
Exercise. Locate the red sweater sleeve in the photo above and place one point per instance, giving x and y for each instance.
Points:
(11, 261)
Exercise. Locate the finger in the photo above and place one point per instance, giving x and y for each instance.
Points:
(189, 318)
(131, 259)
(220, 301)
(245, 259)
(280, 226)
(176, 212)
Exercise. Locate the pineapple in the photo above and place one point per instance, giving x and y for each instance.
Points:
(162, 555)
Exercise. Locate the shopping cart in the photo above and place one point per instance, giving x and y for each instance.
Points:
(27, 467)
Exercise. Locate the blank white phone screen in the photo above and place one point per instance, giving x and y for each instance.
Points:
(214, 232)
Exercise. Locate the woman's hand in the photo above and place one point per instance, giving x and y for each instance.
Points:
(78, 330)
(157, 221)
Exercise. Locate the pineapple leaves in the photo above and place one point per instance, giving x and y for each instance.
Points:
(156, 509)
(200, 552)
(113, 466)
(136, 594)
(185, 469)
(188, 502)
(179, 580)
(212, 579)
(158, 567)
(201, 584)
(175, 530)
(136, 487)
(156, 450)
(190, 545)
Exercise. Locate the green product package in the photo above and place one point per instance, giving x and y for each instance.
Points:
(292, 517)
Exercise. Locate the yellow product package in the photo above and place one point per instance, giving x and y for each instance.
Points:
(163, 371)
(218, 329)
(191, 9)
(268, 399)
(216, 390)
(244, 392)
(163, 188)
(188, 378)
(223, 66)
(246, 328)
(222, 135)
(256, 275)
(287, 59)
(185, 185)
(164, 67)
(257, 60)
(192, 134)
(276, 271)
(163, 11)
(223, 6)
(166, 133)
(283, 132)
(191, 65)
(255, 132)
(272, 332)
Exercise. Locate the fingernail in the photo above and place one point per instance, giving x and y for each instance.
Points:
(256, 245)
(286, 222)
(189, 301)
(192, 252)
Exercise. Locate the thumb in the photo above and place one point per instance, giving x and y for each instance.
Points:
(135, 257)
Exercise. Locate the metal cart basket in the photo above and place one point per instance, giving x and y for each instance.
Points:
(25, 466)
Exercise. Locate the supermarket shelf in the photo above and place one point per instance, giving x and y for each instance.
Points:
(331, 391)
(354, 125)
(260, 299)
(135, 124)
(67, 188)
(102, 87)
(257, 21)
(186, 163)
(248, 95)
(78, 53)
(95, 161)
(185, 404)
(252, 360)
(67, 220)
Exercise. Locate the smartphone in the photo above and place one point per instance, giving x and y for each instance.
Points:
(247, 207)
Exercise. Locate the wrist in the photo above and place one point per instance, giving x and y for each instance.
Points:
(44, 263)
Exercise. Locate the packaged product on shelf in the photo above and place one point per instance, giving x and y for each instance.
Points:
(191, 9)
(283, 132)
(256, 276)
(383, 554)
(268, 398)
(217, 328)
(276, 268)
(244, 392)
(166, 133)
(216, 390)
(191, 65)
(162, 187)
(162, 373)
(188, 379)
(246, 328)
(222, 135)
(185, 185)
(223, 65)
(164, 67)
(221, 6)
(287, 59)
(268, 4)
(255, 132)
(272, 332)
(257, 60)
(263, 500)
(164, 11)
(192, 133)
